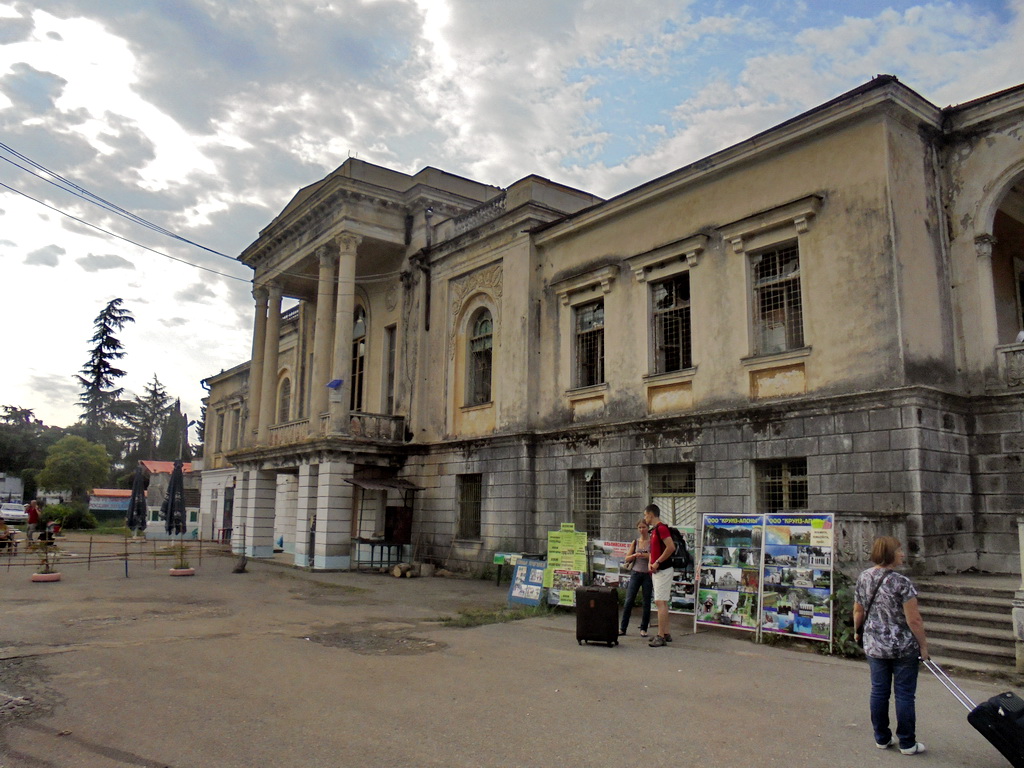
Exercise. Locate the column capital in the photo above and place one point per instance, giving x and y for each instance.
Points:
(275, 290)
(348, 242)
(260, 293)
(325, 256)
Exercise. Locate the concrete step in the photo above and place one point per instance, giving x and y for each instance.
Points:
(968, 668)
(961, 649)
(957, 588)
(979, 603)
(943, 615)
(997, 637)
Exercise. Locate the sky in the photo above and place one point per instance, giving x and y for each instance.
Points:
(204, 117)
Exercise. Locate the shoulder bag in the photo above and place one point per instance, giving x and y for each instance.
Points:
(858, 632)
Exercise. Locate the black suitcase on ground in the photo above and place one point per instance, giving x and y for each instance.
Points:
(597, 615)
(1000, 719)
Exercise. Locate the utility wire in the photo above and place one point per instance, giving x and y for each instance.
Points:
(81, 192)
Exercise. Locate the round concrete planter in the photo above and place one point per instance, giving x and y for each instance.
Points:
(183, 571)
(43, 577)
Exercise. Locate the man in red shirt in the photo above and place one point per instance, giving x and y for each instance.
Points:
(662, 548)
(33, 518)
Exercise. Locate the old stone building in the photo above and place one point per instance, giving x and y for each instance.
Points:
(824, 316)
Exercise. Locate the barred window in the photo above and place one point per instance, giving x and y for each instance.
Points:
(670, 300)
(778, 310)
(358, 359)
(586, 501)
(782, 485)
(673, 488)
(480, 345)
(470, 490)
(590, 344)
(284, 402)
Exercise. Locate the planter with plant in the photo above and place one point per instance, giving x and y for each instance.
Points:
(181, 564)
(47, 556)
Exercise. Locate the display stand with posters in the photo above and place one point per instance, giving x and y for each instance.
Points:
(606, 563)
(728, 574)
(683, 598)
(527, 585)
(566, 564)
(797, 581)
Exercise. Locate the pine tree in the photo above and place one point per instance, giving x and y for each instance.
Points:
(146, 419)
(173, 439)
(100, 398)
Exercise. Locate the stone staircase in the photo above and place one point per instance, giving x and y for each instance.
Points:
(969, 623)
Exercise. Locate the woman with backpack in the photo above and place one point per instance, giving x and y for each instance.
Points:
(638, 559)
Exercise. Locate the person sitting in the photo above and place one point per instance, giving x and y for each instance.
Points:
(7, 540)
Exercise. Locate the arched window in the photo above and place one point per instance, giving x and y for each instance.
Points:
(358, 359)
(478, 377)
(284, 401)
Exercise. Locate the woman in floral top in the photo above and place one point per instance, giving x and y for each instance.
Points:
(894, 642)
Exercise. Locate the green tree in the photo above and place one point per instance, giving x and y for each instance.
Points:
(24, 439)
(146, 419)
(173, 437)
(101, 398)
(76, 465)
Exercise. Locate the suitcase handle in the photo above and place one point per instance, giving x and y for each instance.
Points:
(949, 685)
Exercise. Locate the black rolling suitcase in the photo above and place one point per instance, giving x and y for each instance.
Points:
(597, 615)
(1000, 719)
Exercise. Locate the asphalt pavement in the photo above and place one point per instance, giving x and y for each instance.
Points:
(280, 667)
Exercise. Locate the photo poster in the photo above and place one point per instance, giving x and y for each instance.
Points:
(728, 572)
(606, 563)
(797, 583)
(566, 564)
(527, 585)
(684, 594)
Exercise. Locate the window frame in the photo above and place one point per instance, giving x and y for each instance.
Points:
(585, 486)
(357, 369)
(476, 393)
(469, 498)
(658, 319)
(792, 473)
(788, 288)
(594, 337)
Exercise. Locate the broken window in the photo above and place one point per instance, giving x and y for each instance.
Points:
(778, 312)
(586, 501)
(670, 300)
(358, 359)
(590, 344)
(480, 345)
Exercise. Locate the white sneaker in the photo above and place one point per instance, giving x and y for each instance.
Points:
(917, 749)
(890, 743)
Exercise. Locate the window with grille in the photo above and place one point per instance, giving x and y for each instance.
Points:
(358, 359)
(480, 344)
(236, 421)
(390, 351)
(670, 301)
(470, 490)
(782, 485)
(284, 401)
(673, 487)
(590, 344)
(586, 501)
(778, 310)
(220, 432)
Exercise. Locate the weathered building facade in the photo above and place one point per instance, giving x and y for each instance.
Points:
(822, 317)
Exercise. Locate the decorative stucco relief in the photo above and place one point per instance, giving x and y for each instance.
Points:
(486, 280)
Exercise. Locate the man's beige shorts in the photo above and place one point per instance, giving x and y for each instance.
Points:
(663, 584)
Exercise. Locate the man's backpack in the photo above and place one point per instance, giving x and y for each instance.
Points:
(680, 559)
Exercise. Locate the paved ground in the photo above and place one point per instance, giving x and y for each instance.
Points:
(278, 667)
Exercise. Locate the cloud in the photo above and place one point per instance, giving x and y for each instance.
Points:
(173, 322)
(47, 256)
(198, 293)
(54, 390)
(95, 262)
(30, 89)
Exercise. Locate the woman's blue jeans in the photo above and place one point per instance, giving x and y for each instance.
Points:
(899, 675)
(638, 581)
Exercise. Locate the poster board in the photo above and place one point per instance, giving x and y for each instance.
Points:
(729, 571)
(527, 587)
(566, 564)
(606, 563)
(684, 594)
(797, 582)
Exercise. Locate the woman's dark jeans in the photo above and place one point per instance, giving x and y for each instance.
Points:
(901, 675)
(636, 582)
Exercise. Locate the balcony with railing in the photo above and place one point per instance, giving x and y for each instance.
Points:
(1011, 365)
(362, 426)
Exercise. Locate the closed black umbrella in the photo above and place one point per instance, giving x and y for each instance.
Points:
(137, 512)
(173, 508)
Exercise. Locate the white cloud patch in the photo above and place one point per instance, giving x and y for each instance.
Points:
(199, 293)
(95, 262)
(47, 256)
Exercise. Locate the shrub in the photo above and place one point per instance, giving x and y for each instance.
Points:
(70, 516)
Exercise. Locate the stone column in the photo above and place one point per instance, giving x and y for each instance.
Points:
(347, 244)
(988, 326)
(268, 394)
(1018, 600)
(258, 513)
(334, 516)
(305, 514)
(259, 341)
(323, 337)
